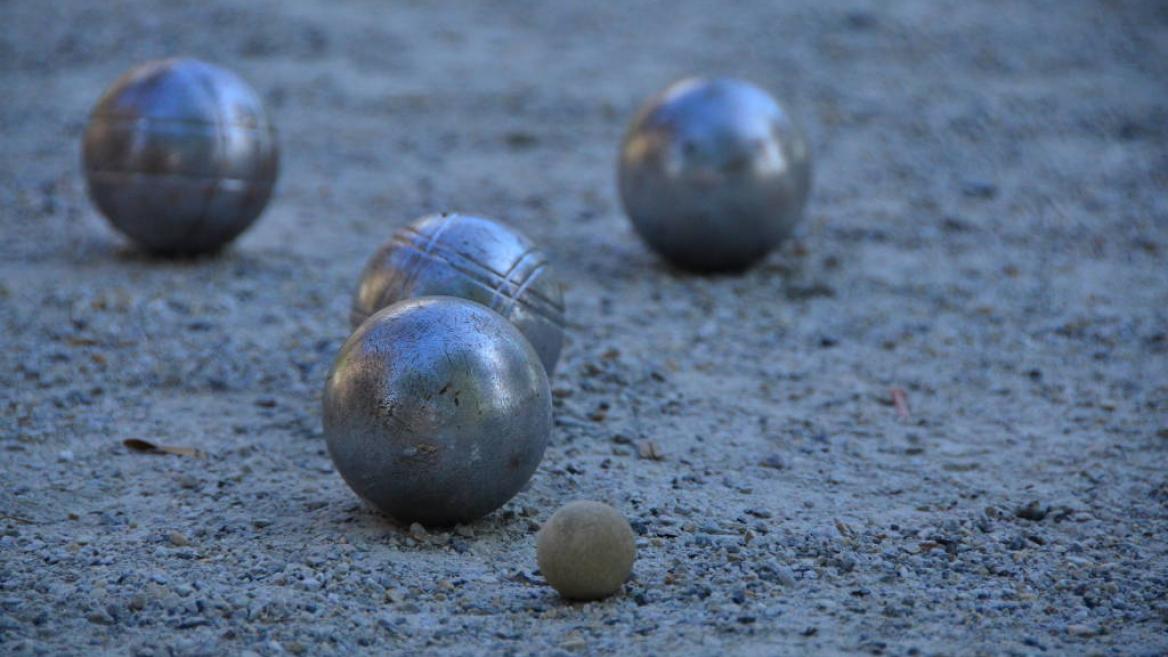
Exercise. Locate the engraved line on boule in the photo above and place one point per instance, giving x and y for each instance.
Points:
(486, 280)
(438, 230)
(511, 296)
(400, 238)
(528, 280)
(423, 251)
(195, 229)
(148, 121)
(485, 275)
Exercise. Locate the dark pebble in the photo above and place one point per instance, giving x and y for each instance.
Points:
(979, 189)
(773, 461)
(1033, 511)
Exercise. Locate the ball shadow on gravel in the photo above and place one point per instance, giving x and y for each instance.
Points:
(240, 263)
(125, 252)
(501, 526)
(633, 260)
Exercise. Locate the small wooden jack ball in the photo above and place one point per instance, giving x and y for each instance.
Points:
(586, 550)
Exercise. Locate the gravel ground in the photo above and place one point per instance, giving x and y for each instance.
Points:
(988, 234)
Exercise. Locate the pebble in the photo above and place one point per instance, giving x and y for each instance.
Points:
(418, 532)
(1082, 630)
(1034, 511)
(979, 189)
(774, 461)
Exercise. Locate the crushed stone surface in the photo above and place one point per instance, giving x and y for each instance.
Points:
(935, 423)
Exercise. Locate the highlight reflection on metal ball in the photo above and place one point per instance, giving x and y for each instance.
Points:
(437, 410)
(180, 156)
(714, 174)
(472, 258)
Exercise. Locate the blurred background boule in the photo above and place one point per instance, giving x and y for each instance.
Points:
(714, 174)
(180, 156)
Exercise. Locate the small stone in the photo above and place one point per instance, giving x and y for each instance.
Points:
(859, 19)
(773, 461)
(65, 456)
(574, 644)
(100, 618)
(586, 550)
(521, 140)
(979, 189)
(778, 574)
(418, 532)
(395, 596)
(1033, 511)
(178, 539)
(648, 449)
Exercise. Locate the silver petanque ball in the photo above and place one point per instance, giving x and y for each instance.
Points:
(180, 156)
(437, 411)
(473, 258)
(714, 174)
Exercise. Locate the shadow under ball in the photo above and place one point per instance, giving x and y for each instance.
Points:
(180, 156)
(437, 411)
(714, 174)
(473, 258)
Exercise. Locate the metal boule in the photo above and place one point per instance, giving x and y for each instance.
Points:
(473, 258)
(180, 156)
(437, 410)
(714, 174)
